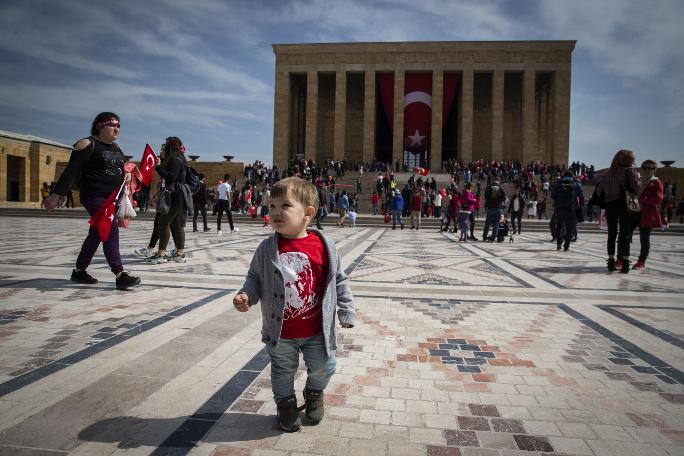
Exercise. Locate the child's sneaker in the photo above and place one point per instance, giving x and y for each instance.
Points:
(639, 265)
(314, 405)
(288, 414)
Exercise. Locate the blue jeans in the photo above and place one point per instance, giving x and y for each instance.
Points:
(285, 361)
(396, 217)
(492, 220)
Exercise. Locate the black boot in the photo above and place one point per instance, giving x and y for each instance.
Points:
(288, 414)
(314, 405)
(625, 267)
(82, 277)
(611, 264)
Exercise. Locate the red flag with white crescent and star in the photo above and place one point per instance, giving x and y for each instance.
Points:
(104, 217)
(149, 159)
(417, 111)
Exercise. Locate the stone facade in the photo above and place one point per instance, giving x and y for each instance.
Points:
(512, 101)
(25, 163)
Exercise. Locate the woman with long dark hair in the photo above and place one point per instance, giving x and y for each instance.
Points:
(614, 185)
(96, 164)
(172, 167)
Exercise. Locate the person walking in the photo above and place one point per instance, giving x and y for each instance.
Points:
(200, 201)
(397, 206)
(416, 208)
(651, 198)
(564, 196)
(614, 185)
(96, 162)
(342, 208)
(223, 204)
(173, 167)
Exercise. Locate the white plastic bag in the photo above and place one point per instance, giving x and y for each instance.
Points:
(125, 210)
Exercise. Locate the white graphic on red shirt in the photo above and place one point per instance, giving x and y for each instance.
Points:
(300, 297)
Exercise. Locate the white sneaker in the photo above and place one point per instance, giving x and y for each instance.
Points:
(143, 252)
(235, 230)
(219, 232)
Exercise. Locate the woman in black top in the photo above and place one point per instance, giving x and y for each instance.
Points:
(172, 168)
(96, 164)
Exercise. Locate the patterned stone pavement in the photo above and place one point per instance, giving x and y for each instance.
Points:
(460, 349)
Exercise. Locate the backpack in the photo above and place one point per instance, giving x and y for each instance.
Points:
(565, 197)
(192, 179)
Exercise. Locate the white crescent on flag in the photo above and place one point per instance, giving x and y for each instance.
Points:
(418, 97)
(149, 162)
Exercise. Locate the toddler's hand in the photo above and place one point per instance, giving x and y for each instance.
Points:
(241, 302)
(346, 325)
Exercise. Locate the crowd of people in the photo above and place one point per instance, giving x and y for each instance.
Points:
(505, 192)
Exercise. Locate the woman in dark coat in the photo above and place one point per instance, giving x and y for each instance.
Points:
(621, 178)
(172, 168)
(650, 200)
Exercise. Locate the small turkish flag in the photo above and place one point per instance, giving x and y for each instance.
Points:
(149, 159)
(104, 217)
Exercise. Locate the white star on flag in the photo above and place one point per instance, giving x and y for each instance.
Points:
(416, 139)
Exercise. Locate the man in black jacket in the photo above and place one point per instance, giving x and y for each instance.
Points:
(495, 198)
(200, 200)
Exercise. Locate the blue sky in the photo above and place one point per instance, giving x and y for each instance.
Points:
(203, 69)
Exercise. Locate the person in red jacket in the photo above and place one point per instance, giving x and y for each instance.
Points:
(650, 199)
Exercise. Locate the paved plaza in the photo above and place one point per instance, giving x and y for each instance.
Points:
(466, 349)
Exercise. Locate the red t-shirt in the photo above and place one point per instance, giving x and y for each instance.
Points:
(304, 264)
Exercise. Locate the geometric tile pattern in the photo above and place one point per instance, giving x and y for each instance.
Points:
(459, 349)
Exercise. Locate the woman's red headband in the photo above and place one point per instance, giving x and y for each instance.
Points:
(113, 122)
(179, 146)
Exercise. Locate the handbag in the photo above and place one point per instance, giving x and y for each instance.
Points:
(164, 201)
(598, 198)
(631, 198)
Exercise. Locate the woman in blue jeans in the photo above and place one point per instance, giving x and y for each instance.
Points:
(96, 164)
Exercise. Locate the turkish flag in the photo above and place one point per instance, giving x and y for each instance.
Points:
(417, 111)
(422, 171)
(149, 159)
(104, 217)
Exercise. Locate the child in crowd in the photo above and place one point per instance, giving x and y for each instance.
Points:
(464, 223)
(298, 276)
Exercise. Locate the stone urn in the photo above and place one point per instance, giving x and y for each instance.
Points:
(193, 157)
(667, 163)
(229, 157)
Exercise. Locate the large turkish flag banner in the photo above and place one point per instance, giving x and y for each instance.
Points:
(417, 111)
(149, 159)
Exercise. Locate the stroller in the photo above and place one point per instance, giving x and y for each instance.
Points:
(503, 229)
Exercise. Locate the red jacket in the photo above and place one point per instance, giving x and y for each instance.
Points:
(651, 197)
(416, 202)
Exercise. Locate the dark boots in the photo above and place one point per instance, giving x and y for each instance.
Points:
(288, 414)
(314, 405)
(611, 264)
(625, 266)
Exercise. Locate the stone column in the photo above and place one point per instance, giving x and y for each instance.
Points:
(437, 119)
(311, 115)
(340, 113)
(4, 175)
(561, 116)
(466, 127)
(398, 135)
(281, 119)
(497, 114)
(530, 147)
(369, 107)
